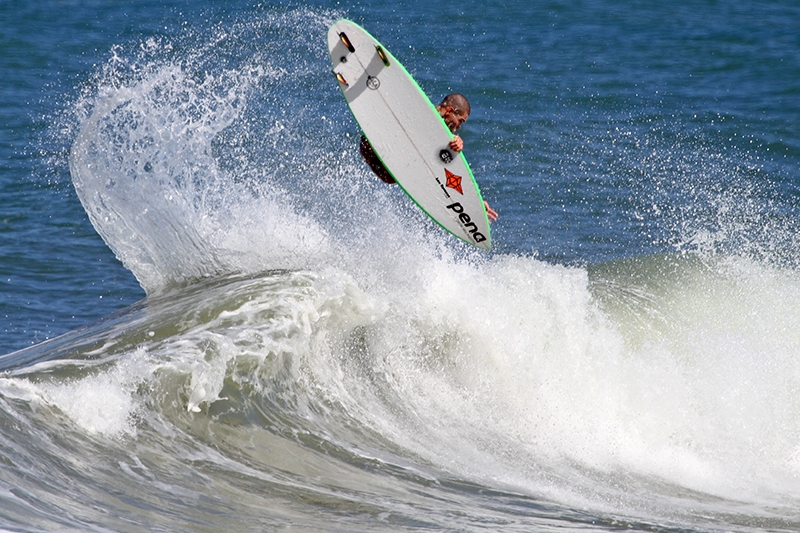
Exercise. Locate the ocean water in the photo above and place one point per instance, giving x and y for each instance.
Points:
(214, 318)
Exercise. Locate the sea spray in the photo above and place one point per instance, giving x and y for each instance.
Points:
(166, 165)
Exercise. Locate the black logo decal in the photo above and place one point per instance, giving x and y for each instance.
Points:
(373, 83)
(445, 156)
(466, 222)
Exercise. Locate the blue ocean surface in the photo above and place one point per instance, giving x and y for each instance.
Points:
(214, 317)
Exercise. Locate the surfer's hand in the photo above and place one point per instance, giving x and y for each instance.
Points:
(457, 144)
(491, 213)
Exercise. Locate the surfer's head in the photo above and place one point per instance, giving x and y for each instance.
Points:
(454, 109)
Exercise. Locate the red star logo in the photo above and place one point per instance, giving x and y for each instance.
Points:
(453, 181)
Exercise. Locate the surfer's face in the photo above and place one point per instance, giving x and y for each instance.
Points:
(453, 117)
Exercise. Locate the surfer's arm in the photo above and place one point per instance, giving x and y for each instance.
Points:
(491, 213)
(457, 144)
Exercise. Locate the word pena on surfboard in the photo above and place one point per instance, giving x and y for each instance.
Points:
(406, 133)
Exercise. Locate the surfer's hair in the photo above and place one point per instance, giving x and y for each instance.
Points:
(456, 101)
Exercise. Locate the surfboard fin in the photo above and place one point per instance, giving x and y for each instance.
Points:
(346, 42)
(382, 55)
(341, 78)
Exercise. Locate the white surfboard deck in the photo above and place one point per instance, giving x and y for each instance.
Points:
(407, 133)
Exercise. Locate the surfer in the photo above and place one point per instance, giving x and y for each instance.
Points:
(454, 110)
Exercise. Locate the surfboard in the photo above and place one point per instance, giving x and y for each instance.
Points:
(407, 133)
